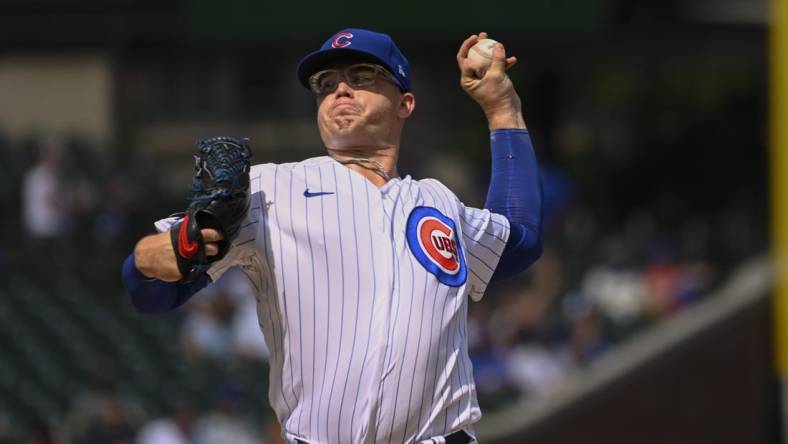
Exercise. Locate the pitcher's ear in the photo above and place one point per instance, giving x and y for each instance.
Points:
(406, 105)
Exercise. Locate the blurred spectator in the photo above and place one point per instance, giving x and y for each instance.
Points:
(111, 427)
(534, 369)
(223, 424)
(248, 341)
(586, 336)
(46, 202)
(558, 191)
(223, 323)
(111, 222)
(40, 433)
(205, 333)
(510, 343)
(162, 431)
(671, 285)
(176, 430)
(618, 293)
(247, 337)
(98, 414)
(661, 280)
(5, 429)
(84, 171)
(488, 365)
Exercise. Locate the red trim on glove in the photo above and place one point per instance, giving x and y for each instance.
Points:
(186, 248)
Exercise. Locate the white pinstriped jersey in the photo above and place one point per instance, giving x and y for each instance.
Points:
(362, 297)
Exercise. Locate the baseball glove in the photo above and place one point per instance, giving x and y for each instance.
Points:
(220, 200)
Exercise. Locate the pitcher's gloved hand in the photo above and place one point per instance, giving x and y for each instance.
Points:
(220, 200)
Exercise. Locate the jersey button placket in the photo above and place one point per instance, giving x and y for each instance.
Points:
(388, 244)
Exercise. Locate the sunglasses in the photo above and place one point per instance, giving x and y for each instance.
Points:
(356, 76)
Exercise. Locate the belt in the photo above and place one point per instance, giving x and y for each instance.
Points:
(458, 437)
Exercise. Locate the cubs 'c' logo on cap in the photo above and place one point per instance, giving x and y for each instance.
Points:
(341, 40)
(433, 240)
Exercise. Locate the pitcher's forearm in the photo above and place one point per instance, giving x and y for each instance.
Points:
(156, 296)
(155, 257)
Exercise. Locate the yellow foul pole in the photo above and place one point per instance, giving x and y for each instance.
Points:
(778, 146)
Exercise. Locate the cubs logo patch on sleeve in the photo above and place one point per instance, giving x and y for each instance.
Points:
(432, 238)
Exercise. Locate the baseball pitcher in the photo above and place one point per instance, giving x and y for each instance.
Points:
(363, 275)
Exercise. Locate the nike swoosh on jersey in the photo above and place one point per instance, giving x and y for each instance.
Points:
(307, 193)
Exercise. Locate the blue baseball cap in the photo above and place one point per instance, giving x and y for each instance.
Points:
(362, 45)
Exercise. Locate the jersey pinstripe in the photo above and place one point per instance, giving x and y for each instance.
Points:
(362, 296)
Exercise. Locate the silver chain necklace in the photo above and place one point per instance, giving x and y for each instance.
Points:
(370, 164)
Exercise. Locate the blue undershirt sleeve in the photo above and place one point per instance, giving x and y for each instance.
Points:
(155, 296)
(516, 193)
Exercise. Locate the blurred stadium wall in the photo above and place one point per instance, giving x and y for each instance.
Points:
(704, 376)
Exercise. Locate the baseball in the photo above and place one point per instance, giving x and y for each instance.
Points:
(482, 52)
